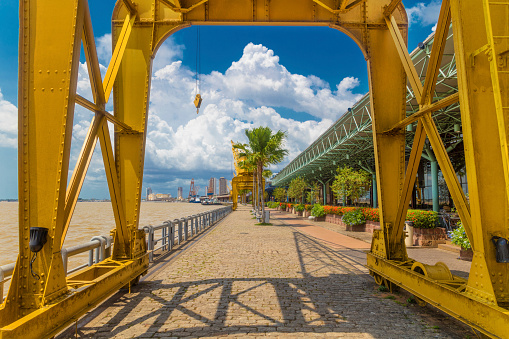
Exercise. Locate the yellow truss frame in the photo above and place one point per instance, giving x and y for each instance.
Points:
(51, 33)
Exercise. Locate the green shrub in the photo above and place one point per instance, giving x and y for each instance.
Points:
(308, 207)
(354, 217)
(422, 219)
(282, 205)
(272, 204)
(459, 237)
(317, 211)
(299, 208)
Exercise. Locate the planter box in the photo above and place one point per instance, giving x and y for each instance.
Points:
(371, 226)
(430, 237)
(319, 218)
(356, 228)
(306, 214)
(466, 254)
(299, 213)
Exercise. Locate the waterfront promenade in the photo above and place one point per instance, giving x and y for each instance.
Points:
(285, 280)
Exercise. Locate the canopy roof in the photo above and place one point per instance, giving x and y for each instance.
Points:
(349, 142)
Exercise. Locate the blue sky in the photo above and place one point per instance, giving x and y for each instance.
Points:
(281, 77)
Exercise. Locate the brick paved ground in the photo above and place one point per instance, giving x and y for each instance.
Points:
(245, 280)
(425, 255)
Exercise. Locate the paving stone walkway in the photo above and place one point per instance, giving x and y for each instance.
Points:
(243, 280)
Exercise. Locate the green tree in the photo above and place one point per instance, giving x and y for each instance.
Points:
(296, 188)
(264, 148)
(280, 194)
(313, 195)
(350, 183)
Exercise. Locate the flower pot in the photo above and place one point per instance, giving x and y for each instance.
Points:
(466, 255)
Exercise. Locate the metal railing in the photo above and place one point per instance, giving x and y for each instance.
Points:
(176, 231)
(99, 247)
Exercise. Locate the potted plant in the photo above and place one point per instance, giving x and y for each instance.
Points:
(318, 212)
(355, 221)
(299, 208)
(426, 232)
(307, 210)
(459, 237)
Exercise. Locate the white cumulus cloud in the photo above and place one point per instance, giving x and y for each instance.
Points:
(424, 14)
(8, 123)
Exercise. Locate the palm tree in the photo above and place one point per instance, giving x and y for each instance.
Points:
(264, 148)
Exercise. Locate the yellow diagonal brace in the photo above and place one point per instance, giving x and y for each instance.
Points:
(408, 65)
(80, 170)
(437, 51)
(391, 7)
(130, 6)
(94, 108)
(113, 185)
(94, 71)
(451, 99)
(458, 196)
(116, 58)
(411, 171)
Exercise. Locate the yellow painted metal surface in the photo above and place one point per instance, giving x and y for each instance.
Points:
(47, 95)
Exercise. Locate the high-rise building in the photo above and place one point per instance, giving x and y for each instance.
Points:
(211, 190)
(149, 192)
(179, 193)
(223, 189)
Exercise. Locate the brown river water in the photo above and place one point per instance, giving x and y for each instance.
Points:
(90, 219)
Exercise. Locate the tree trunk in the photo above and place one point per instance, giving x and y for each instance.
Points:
(260, 171)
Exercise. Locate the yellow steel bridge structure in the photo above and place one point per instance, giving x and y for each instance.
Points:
(51, 35)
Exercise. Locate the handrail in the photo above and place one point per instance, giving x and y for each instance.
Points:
(177, 230)
(182, 229)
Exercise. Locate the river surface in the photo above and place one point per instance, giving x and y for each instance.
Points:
(90, 219)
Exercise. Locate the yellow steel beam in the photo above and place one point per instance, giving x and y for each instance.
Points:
(89, 47)
(388, 9)
(47, 87)
(447, 101)
(449, 296)
(387, 82)
(437, 51)
(411, 172)
(118, 53)
(80, 170)
(122, 240)
(95, 283)
(130, 6)
(496, 17)
(487, 182)
(406, 61)
(97, 109)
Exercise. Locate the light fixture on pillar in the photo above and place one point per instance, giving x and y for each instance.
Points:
(38, 237)
(410, 128)
(347, 157)
(420, 45)
(350, 109)
(457, 128)
(360, 163)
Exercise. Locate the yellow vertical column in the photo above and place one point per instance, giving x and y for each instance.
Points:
(50, 34)
(483, 154)
(387, 82)
(131, 100)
